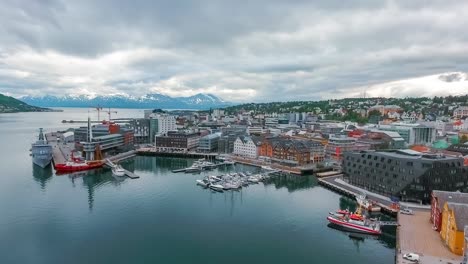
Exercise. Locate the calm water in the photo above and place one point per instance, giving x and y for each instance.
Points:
(162, 217)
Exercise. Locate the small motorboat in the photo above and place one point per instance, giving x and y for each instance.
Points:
(216, 187)
(118, 171)
(203, 183)
(253, 179)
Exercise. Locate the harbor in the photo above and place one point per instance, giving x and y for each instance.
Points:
(281, 214)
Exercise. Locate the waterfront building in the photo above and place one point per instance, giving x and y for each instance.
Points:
(112, 143)
(104, 129)
(177, 141)
(141, 128)
(338, 145)
(165, 123)
(465, 249)
(209, 143)
(413, 134)
(405, 174)
(228, 136)
(317, 152)
(438, 200)
(454, 220)
(460, 112)
(287, 151)
(247, 146)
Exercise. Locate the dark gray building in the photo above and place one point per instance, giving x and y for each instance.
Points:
(405, 174)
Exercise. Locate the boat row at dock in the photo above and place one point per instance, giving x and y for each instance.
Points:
(202, 164)
(231, 181)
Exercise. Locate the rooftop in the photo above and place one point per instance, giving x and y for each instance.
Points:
(461, 214)
(445, 196)
(411, 154)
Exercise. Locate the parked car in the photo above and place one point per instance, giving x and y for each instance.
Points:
(406, 211)
(411, 257)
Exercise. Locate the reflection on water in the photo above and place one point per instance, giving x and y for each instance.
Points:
(42, 175)
(93, 180)
(292, 182)
(387, 238)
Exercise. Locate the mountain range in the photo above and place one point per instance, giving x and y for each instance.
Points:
(199, 101)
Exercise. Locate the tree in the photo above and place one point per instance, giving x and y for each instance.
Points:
(463, 139)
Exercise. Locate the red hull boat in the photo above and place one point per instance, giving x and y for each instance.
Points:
(78, 166)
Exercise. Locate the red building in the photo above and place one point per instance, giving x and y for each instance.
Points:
(438, 199)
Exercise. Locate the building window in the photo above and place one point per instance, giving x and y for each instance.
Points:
(409, 163)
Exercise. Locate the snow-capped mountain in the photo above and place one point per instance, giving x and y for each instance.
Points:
(201, 99)
(156, 100)
(451, 83)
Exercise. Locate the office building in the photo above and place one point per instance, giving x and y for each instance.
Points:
(405, 174)
(209, 143)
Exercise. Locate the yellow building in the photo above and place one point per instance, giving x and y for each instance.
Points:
(454, 220)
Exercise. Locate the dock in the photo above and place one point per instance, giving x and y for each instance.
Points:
(336, 183)
(328, 174)
(60, 151)
(415, 235)
(128, 173)
(191, 154)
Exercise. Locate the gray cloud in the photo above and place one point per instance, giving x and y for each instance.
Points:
(242, 50)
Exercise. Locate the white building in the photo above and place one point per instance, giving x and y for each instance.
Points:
(460, 112)
(246, 147)
(165, 123)
(271, 121)
(254, 130)
(217, 114)
(413, 134)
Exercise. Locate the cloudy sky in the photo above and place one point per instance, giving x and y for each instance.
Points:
(243, 50)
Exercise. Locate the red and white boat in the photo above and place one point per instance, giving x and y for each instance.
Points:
(355, 222)
(72, 166)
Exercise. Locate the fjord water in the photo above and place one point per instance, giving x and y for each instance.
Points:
(162, 217)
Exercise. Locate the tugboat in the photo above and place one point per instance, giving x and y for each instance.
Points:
(355, 222)
(41, 151)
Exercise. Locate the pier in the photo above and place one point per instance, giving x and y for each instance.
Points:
(60, 151)
(415, 235)
(337, 184)
(129, 174)
(153, 152)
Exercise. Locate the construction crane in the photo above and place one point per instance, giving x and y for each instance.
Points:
(110, 112)
(98, 109)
